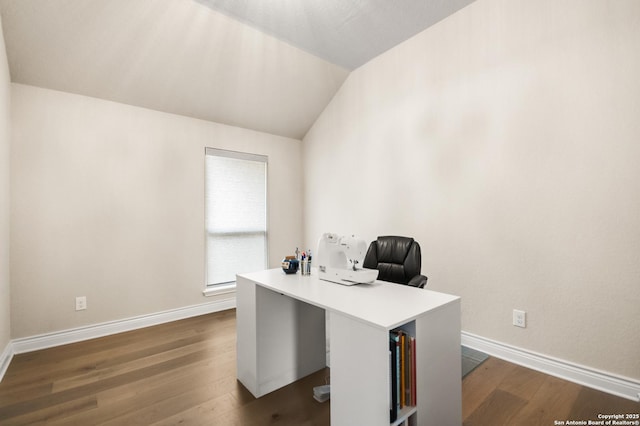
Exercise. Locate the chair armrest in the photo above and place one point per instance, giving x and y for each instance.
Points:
(418, 281)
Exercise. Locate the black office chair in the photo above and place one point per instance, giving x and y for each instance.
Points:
(397, 260)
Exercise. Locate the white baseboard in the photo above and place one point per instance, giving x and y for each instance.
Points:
(5, 359)
(600, 380)
(48, 340)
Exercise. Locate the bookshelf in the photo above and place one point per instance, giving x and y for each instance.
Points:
(405, 415)
(290, 310)
(402, 371)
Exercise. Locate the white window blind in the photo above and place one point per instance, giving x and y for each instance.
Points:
(236, 214)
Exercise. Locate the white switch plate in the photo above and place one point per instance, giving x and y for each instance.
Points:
(519, 318)
(81, 303)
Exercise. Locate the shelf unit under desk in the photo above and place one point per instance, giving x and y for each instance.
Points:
(281, 338)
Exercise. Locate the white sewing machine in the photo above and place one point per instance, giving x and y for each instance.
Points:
(340, 259)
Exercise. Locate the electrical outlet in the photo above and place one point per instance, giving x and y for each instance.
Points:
(81, 303)
(519, 318)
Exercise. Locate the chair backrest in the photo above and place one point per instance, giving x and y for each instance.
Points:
(397, 259)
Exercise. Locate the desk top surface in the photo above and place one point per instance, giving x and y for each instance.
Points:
(382, 304)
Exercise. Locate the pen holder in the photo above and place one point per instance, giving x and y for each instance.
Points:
(305, 267)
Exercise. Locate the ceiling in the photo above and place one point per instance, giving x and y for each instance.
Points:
(270, 66)
(347, 33)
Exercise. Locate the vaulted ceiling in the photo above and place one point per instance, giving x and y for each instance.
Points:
(270, 66)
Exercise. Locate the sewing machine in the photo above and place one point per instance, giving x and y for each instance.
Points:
(339, 260)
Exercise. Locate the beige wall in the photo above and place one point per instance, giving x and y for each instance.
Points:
(505, 139)
(5, 303)
(108, 203)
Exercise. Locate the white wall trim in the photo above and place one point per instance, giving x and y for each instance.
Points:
(220, 289)
(48, 340)
(5, 359)
(616, 385)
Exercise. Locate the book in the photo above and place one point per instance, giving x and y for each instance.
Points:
(414, 387)
(393, 375)
(403, 366)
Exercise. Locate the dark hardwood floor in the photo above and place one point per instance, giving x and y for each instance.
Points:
(184, 373)
(501, 393)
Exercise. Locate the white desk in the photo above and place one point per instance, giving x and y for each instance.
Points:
(281, 338)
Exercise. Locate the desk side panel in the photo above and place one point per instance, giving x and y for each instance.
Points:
(246, 334)
(360, 390)
(439, 367)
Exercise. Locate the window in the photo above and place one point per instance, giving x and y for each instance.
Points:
(236, 214)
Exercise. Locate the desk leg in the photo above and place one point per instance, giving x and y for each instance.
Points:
(279, 339)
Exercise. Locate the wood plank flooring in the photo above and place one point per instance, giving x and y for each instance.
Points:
(184, 373)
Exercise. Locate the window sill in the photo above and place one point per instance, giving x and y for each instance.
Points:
(222, 289)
